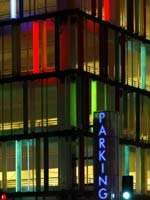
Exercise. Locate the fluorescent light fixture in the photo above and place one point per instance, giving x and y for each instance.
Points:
(13, 9)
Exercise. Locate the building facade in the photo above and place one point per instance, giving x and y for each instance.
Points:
(60, 62)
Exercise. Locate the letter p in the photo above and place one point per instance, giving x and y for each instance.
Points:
(101, 116)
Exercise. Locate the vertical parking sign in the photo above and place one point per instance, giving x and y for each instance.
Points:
(106, 155)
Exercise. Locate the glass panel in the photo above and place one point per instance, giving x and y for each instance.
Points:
(110, 101)
(141, 17)
(5, 9)
(111, 54)
(17, 108)
(28, 172)
(26, 6)
(132, 157)
(53, 162)
(88, 168)
(47, 45)
(114, 10)
(43, 111)
(123, 13)
(51, 101)
(1, 50)
(40, 6)
(131, 130)
(144, 120)
(26, 48)
(1, 110)
(129, 62)
(11, 170)
(136, 64)
(7, 51)
(148, 170)
(89, 46)
(51, 5)
(7, 109)
(101, 95)
(67, 43)
(35, 106)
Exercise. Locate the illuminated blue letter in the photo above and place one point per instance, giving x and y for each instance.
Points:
(101, 155)
(101, 116)
(102, 180)
(102, 131)
(102, 168)
(102, 193)
(102, 143)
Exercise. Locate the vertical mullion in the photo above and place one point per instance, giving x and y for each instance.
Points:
(4, 165)
(103, 53)
(38, 164)
(138, 169)
(117, 98)
(93, 7)
(47, 104)
(46, 6)
(117, 78)
(125, 109)
(11, 109)
(25, 107)
(136, 10)
(46, 178)
(3, 51)
(143, 170)
(130, 15)
(137, 117)
(34, 7)
(42, 104)
(2, 109)
(21, 8)
(29, 7)
(81, 162)
(100, 9)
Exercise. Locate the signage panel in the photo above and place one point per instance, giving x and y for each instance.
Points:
(106, 155)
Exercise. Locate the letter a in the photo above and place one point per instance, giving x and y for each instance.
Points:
(102, 131)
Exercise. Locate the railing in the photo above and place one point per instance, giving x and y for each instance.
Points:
(36, 123)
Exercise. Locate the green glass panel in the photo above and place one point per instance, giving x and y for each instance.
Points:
(18, 165)
(127, 156)
(73, 112)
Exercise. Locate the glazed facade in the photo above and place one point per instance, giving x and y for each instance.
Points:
(60, 62)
